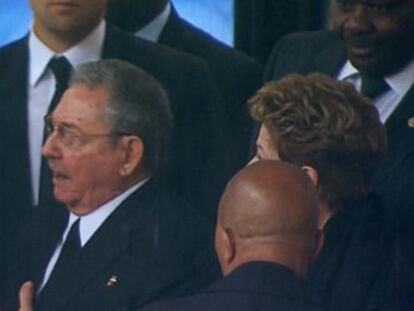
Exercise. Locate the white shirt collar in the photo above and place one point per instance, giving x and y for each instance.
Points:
(89, 49)
(90, 223)
(400, 82)
(153, 30)
(348, 72)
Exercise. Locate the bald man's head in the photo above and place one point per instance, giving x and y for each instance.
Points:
(268, 209)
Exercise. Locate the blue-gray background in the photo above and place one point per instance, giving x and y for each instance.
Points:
(214, 16)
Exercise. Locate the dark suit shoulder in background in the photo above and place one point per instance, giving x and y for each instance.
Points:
(300, 53)
(236, 75)
(358, 246)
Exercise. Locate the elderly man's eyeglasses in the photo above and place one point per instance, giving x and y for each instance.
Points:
(70, 135)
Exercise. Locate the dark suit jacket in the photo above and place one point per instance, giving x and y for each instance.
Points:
(153, 244)
(198, 165)
(253, 286)
(358, 247)
(237, 75)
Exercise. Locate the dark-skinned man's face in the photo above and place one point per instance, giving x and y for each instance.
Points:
(378, 34)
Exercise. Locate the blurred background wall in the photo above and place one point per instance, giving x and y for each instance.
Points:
(15, 17)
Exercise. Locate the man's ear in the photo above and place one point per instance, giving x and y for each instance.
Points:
(225, 248)
(231, 245)
(133, 153)
(312, 173)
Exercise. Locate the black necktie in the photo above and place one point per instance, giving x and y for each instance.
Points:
(61, 69)
(72, 244)
(372, 86)
(70, 249)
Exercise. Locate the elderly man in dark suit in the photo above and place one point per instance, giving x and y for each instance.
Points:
(76, 31)
(372, 47)
(266, 236)
(125, 240)
(236, 75)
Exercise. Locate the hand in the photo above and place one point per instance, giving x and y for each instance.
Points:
(26, 296)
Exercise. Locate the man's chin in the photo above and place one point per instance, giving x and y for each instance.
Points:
(369, 66)
(376, 64)
(61, 196)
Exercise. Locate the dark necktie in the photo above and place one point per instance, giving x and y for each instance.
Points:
(61, 69)
(72, 244)
(70, 249)
(372, 86)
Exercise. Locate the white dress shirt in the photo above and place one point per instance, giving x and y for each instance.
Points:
(399, 84)
(88, 225)
(152, 31)
(42, 87)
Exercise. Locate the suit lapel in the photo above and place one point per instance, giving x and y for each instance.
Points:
(400, 137)
(13, 91)
(403, 112)
(49, 225)
(172, 31)
(103, 249)
(111, 47)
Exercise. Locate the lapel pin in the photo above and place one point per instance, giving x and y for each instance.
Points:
(411, 122)
(112, 281)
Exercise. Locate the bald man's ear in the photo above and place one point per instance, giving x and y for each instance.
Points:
(133, 152)
(312, 173)
(319, 241)
(225, 248)
(231, 245)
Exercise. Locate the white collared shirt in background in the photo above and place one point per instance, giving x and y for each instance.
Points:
(42, 87)
(88, 225)
(152, 30)
(399, 84)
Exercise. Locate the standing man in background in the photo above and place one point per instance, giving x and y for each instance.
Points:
(236, 75)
